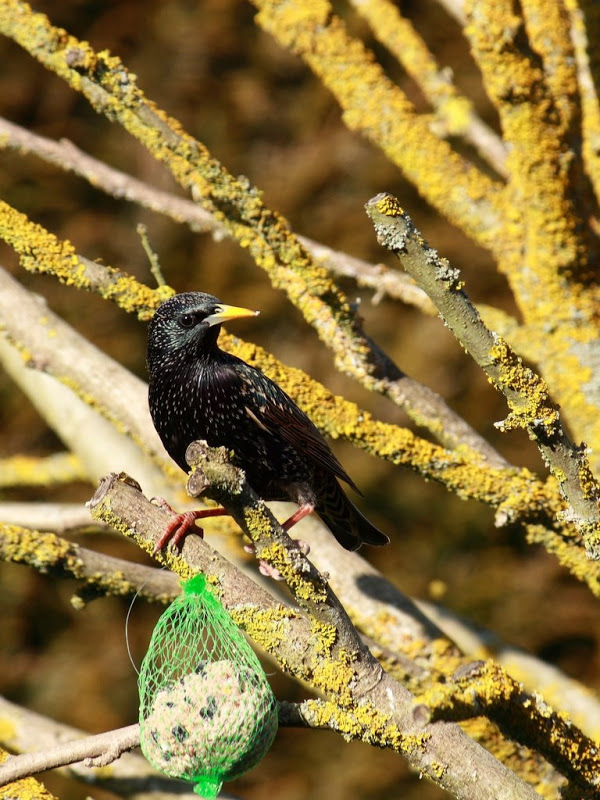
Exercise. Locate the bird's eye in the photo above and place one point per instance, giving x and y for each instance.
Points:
(187, 320)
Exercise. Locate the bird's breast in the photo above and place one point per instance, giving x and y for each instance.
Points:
(195, 402)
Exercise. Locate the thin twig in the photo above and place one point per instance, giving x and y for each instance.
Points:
(381, 279)
(155, 269)
(130, 776)
(94, 751)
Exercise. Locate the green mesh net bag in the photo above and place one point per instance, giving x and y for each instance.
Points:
(207, 711)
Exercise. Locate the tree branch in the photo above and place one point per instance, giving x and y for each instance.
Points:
(59, 518)
(112, 90)
(486, 688)
(551, 269)
(516, 495)
(53, 470)
(384, 709)
(378, 109)
(94, 751)
(130, 776)
(527, 395)
(455, 114)
(64, 154)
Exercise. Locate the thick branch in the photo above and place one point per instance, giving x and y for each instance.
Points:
(214, 476)
(441, 751)
(487, 689)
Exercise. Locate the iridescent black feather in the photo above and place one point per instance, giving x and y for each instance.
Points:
(197, 391)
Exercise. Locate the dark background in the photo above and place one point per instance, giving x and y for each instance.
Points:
(263, 114)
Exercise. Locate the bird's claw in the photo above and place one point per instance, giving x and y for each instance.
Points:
(302, 546)
(272, 572)
(177, 530)
(263, 567)
(268, 571)
(182, 524)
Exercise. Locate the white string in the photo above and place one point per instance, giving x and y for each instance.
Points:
(129, 610)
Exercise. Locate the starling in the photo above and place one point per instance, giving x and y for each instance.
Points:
(198, 391)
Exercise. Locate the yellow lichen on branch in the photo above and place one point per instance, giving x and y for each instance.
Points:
(376, 107)
(364, 722)
(234, 201)
(458, 471)
(549, 272)
(487, 689)
(113, 91)
(41, 251)
(585, 29)
(399, 35)
(544, 214)
(526, 393)
(59, 468)
(548, 30)
(516, 495)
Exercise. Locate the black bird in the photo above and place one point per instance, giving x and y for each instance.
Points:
(197, 391)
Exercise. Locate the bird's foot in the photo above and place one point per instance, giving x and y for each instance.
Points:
(182, 524)
(268, 571)
(263, 567)
(301, 545)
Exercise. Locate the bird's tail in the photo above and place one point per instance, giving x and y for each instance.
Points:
(344, 520)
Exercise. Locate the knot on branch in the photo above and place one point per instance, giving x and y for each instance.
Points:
(212, 470)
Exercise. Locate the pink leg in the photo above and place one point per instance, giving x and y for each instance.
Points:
(302, 512)
(182, 524)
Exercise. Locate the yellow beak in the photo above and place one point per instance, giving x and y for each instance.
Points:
(225, 313)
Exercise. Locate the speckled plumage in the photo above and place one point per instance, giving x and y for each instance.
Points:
(197, 391)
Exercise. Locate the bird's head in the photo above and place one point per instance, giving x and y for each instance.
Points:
(187, 326)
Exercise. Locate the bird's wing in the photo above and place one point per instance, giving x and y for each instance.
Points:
(270, 408)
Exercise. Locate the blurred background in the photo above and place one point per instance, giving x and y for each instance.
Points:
(263, 114)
